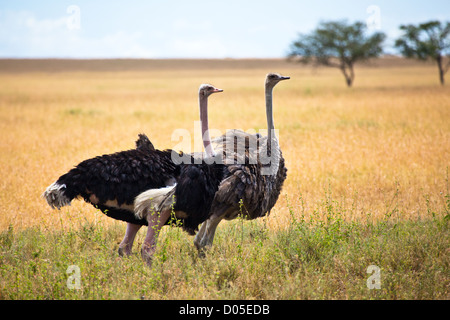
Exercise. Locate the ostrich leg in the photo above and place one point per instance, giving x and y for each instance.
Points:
(205, 236)
(127, 243)
(156, 221)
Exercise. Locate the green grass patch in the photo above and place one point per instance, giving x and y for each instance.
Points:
(315, 259)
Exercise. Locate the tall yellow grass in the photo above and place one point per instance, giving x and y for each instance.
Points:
(382, 146)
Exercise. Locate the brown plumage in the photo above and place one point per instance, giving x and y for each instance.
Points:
(254, 179)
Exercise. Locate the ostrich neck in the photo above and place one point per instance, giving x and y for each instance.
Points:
(269, 114)
(203, 102)
(273, 151)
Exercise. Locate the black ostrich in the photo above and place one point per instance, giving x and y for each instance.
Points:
(112, 182)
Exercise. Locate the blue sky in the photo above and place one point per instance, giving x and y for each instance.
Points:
(190, 28)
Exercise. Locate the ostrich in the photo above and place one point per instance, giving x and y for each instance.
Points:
(249, 189)
(111, 182)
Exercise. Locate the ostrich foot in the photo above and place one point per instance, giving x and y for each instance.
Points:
(147, 253)
(124, 251)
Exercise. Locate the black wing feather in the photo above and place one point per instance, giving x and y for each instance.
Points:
(120, 176)
(196, 187)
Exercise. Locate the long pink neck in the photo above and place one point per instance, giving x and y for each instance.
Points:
(203, 102)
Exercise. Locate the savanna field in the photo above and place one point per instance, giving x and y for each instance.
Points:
(367, 184)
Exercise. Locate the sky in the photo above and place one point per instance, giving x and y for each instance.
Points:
(190, 28)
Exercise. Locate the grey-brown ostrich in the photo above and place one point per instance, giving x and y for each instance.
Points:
(112, 182)
(249, 189)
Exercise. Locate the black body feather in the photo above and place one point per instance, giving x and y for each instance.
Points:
(119, 178)
(195, 190)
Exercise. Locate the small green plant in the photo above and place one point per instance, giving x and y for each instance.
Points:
(173, 220)
(7, 238)
(447, 196)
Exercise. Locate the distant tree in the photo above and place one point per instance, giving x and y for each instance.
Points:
(430, 40)
(338, 44)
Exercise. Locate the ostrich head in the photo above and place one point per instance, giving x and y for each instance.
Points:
(206, 90)
(273, 78)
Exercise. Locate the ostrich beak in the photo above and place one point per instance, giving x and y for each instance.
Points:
(285, 78)
(217, 90)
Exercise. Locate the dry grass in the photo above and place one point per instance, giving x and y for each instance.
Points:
(381, 146)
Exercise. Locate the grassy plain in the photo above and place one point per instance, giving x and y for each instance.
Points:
(367, 179)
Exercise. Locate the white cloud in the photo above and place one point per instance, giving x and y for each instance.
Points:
(24, 35)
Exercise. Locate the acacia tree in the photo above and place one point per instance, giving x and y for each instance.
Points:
(430, 40)
(338, 44)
